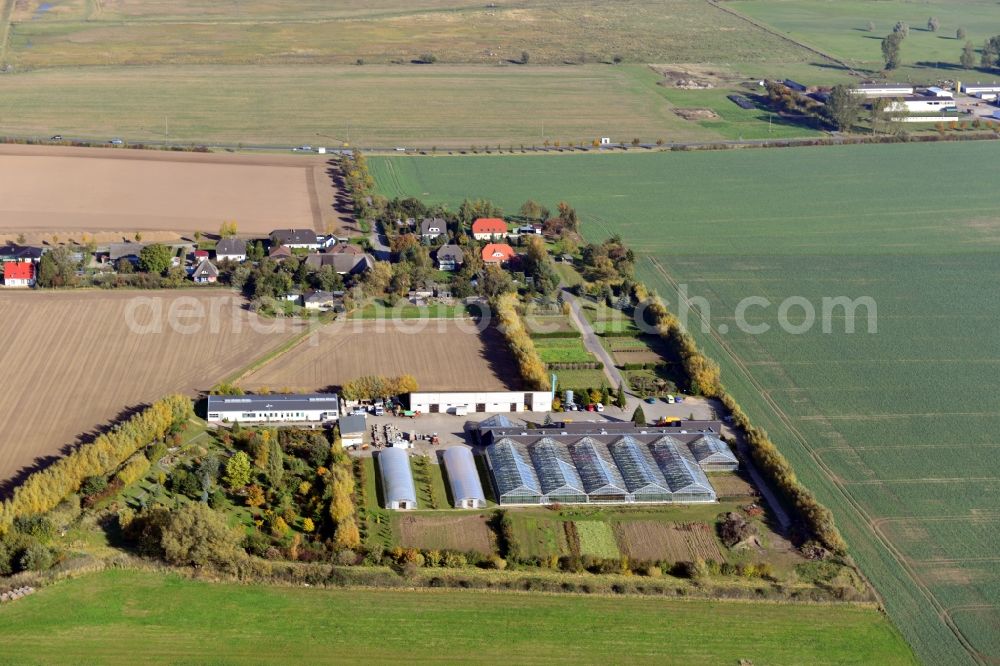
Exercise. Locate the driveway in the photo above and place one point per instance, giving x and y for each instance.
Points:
(591, 341)
(380, 243)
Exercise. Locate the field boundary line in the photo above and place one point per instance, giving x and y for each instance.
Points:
(837, 482)
(773, 31)
(6, 14)
(283, 349)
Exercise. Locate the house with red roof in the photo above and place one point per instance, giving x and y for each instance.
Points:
(18, 274)
(489, 228)
(498, 253)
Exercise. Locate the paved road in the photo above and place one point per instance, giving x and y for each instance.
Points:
(380, 244)
(591, 341)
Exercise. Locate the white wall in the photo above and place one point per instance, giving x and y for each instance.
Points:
(269, 417)
(494, 401)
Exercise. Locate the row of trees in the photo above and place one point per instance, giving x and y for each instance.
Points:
(373, 387)
(521, 345)
(44, 489)
(893, 42)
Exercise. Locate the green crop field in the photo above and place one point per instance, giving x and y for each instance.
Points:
(597, 539)
(563, 350)
(840, 28)
(120, 617)
(896, 431)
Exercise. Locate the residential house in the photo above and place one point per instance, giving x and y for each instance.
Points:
(12, 252)
(319, 300)
(431, 228)
(530, 229)
(199, 256)
(345, 248)
(498, 253)
(231, 249)
(489, 228)
(403, 226)
(296, 239)
(279, 253)
(206, 273)
(343, 262)
(18, 274)
(129, 251)
(450, 257)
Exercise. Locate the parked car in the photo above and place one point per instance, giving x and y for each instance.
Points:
(378, 410)
(599, 406)
(56, 137)
(358, 411)
(571, 407)
(591, 408)
(669, 399)
(116, 142)
(650, 401)
(678, 398)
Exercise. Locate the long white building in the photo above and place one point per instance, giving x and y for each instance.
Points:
(277, 408)
(481, 401)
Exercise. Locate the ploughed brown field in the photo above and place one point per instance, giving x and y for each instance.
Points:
(461, 532)
(654, 540)
(441, 354)
(72, 363)
(68, 192)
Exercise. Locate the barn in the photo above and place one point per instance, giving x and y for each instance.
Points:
(466, 489)
(398, 490)
(278, 408)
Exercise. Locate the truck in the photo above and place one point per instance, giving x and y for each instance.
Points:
(461, 410)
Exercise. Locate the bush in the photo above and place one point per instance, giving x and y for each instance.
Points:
(36, 526)
(196, 535)
(35, 557)
(93, 485)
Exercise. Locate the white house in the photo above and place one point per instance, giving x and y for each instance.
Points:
(431, 228)
(231, 249)
(18, 274)
(481, 401)
(277, 408)
(296, 239)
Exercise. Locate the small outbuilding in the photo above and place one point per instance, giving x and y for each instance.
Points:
(466, 488)
(398, 490)
(352, 429)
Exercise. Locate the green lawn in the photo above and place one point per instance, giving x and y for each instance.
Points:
(406, 310)
(122, 617)
(904, 422)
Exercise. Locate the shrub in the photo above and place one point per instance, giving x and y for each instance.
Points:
(196, 535)
(93, 485)
(35, 557)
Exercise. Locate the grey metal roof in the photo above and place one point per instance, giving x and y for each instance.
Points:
(342, 262)
(120, 250)
(231, 246)
(206, 269)
(450, 252)
(433, 223)
(318, 296)
(353, 424)
(274, 402)
(294, 236)
(462, 474)
(397, 480)
(14, 252)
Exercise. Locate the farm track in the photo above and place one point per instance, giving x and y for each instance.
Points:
(6, 12)
(903, 561)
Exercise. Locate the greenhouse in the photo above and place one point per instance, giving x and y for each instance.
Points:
(569, 469)
(466, 489)
(398, 489)
(713, 455)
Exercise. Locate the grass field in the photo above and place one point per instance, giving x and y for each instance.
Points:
(78, 362)
(77, 32)
(841, 28)
(893, 431)
(563, 350)
(111, 617)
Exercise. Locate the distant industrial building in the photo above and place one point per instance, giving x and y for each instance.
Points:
(976, 88)
(605, 462)
(883, 89)
(398, 490)
(353, 429)
(463, 477)
(467, 402)
(277, 408)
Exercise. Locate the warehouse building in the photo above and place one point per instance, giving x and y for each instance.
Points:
(604, 462)
(468, 402)
(278, 408)
(883, 89)
(463, 477)
(398, 490)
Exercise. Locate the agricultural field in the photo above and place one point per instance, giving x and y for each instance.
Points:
(650, 539)
(442, 354)
(80, 33)
(563, 350)
(596, 538)
(893, 430)
(460, 532)
(841, 29)
(71, 192)
(75, 357)
(112, 616)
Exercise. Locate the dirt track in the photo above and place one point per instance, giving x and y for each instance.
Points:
(71, 363)
(46, 191)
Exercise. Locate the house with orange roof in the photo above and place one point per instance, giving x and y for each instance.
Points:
(498, 253)
(489, 228)
(18, 274)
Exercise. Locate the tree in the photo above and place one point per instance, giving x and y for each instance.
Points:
(197, 237)
(843, 107)
(428, 58)
(991, 52)
(196, 535)
(255, 496)
(525, 57)
(155, 258)
(871, 26)
(968, 58)
(620, 401)
(274, 470)
(568, 215)
(933, 24)
(901, 28)
(890, 50)
(534, 210)
(639, 416)
(347, 535)
(495, 281)
(57, 268)
(960, 33)
(21, 239)
(238, 470)
(138, 237)
(228, 229)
